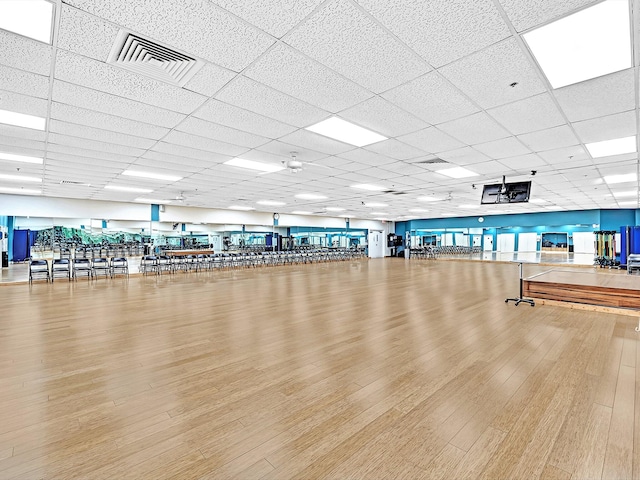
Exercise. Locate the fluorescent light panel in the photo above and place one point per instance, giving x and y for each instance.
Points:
(271, 203)
(457, 172)
(628, 202)
(151, 175)
(20, 158)
(588, 44)
(31, 18)
(20, 178)
(19, 191)
(418, 210)
(367, 186)
(310, 196)
(622, 178)
(157, 201)
(241, 208)
(251, 165)
(334, 209)
(629, 193)
(22, 120)
(346, 132)
(128, 189)
(616, 146)
(301, 212)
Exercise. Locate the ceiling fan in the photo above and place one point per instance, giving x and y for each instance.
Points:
(295, 166)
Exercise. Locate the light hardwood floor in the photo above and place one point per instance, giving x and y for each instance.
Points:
(371, 369)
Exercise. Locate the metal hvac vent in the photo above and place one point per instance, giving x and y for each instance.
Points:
(71, 182)
(151, 59)
(432, 161)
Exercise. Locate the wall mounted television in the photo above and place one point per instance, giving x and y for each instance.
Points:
(515, 192)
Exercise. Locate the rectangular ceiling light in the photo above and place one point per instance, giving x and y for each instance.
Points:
(588, 44)
(20, 178)
(271, 203)
(241, 208)
(20, 158)
(346, 132)
(334, 209)
(157, 201)
(21, 119)
(607, 148)
(19, 191)
(628, 202)
(128, 189)
(251, 165)
(310, 196)
(31, 18)
(301, 212)
(151, 175)
(629, 193)
(624, 178)
(418, 210)
(367, 186)
(457, 172)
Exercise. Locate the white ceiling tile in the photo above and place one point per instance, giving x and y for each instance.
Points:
(209, 79)
(367, 157)
(528, 115)
(21, 81)
(564, 155)
(185, 167)
(395, 149)
(441, 31)
(486, 76)
(491, 168)
(259, 98)
(600, 96)
(85, 34)
(202, 29)
(618, 125)
(101, 76)
(191, 158)
(223, 133)
(17, 102)
(276, 17)
(525, 14)
(58, 139)
(24, 53)
(11, 131)
(83, 131)
(235, 117)
(201, 143)
(68, 113)
(549, 139)
(304, 138)
(345, 39)
(87, 153)
(505, 147)
(524, 163)
(462, 156)
(431, 140)
(383, 117)
(284, 150)
(284, 69)
(431, 98)
(22, 142)
(476, 128)
(87, 98)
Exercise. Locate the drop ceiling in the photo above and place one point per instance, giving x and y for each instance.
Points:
(450, 83)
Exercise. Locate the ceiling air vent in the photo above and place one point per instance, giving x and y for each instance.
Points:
(71, 182)
(152, 59)
(432, 161)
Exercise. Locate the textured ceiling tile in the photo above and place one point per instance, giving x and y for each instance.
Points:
(524, 162)
(562, 156)
(441, 31)
(259, 98)
(395, 149)
(100, 76)
(462, 156)
(17, 102)
(505, 147)
(290, 72)
(431, 140)
(209, 79)
(12, 131)
(319, 143)
(383, 117)
(87, 153)
(20, 81)
(235, 117)
(284, 150)
(598, 97)
(605, 128)
(95, 119)
(431, 98)
(345, 39)
(556, 137)
(201, 143)
(87, 98)
(168, 153)
(525, 14)
(367, 157)
(276, 17)
(200, 29)
(25, 54)
(21, 142)
(214, 131)
(476, 128)
(85, 34)
(55, 138)
(486, 76)
(528, 115)
(83, 131)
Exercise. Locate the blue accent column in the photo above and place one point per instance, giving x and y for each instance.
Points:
(155, 213)
(104, 224)
(10, 223)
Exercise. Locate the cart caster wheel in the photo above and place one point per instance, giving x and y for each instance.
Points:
(506, 301)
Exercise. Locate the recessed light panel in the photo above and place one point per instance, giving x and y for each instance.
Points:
(623, 178)
(21, 119)
(20, 158)
(151, 175)
(301, 212)
(252, 165)
(310, 196)
(334, 209)
(157, 201)
(457, 172)
(588, 44)
(607, 148)
(20, 178)
(31, 18)
(367, 186)
(241, 208)
(127, 189)
(271, 203)
(19, 191)
(418, 210)
(628, 202)
(346, 132)
(629, 193)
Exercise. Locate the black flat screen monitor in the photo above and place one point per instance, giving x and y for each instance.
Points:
(517, 192)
